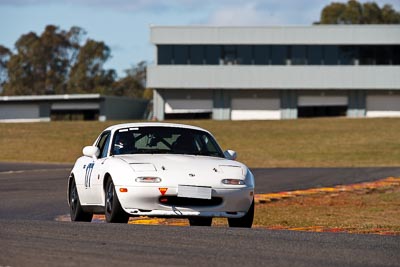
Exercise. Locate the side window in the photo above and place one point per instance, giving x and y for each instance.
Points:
(210, 146)
(103, 144)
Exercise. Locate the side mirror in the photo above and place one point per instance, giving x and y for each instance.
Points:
(91, 151)
(230, 154)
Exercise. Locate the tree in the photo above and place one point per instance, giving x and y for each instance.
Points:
(333, 13)
(23, 67)
(372, 14)
(87, 74)
(354, 12)
(389, 15)
(133, 84)
(5, 55)
(56, 63)
(54, 49)
(41, 64)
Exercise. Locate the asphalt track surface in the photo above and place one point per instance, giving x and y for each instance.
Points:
(32, 195)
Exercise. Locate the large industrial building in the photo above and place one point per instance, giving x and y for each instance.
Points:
(262, 73)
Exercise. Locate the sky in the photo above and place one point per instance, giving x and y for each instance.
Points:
(124, 24)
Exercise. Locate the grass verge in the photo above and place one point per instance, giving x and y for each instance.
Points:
(376, 211)
(288, 143)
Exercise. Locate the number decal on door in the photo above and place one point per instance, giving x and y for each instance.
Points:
(88, 174)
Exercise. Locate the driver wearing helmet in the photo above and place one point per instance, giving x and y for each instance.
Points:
(123, 143)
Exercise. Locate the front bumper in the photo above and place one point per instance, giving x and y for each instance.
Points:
(144, 201)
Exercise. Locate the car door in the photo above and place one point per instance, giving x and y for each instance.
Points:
(95, 171)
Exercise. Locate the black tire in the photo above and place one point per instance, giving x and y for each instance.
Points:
(113, 210)
(75, 208)
(246, 221)
(200, 221)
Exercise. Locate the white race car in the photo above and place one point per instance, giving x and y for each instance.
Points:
(160, 170)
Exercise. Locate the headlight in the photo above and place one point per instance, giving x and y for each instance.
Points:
(233, 181)
(148, 180)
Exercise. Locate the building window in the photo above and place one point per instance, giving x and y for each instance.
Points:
(213, 54)
(197, 54)
(330, 55)
(181, 54)
(229, 56)
(367, 55)
(347, 55)
(384, 55)
(314, 55)
(278, 54)
(165, 54)
(245, 55)
(396, 55)
(262, 54)
(298, 55)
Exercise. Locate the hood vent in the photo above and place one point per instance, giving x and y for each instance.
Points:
(143, 167)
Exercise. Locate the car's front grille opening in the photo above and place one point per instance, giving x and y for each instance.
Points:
(187, 202)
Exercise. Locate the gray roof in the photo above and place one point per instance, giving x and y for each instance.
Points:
(50, 97)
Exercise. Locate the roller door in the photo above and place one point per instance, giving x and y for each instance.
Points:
(315, 101)
(76, 106)
(309, 106)
(183, 101)
(255, 105)
(9, 112)
(383, 106)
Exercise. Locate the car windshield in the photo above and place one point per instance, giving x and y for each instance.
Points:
(164, 140)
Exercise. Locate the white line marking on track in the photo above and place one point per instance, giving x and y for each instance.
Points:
(35, 170)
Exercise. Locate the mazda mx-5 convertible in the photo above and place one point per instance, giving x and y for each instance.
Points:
(160, 170)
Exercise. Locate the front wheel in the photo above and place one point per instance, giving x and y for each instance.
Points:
(200, 221)
(113, 210)
(246, 221)
(75, 208)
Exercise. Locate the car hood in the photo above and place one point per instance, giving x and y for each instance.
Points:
(185, 164)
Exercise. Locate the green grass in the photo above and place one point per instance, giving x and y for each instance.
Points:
(287, 143)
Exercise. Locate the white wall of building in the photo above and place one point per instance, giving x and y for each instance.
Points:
(273, 77)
